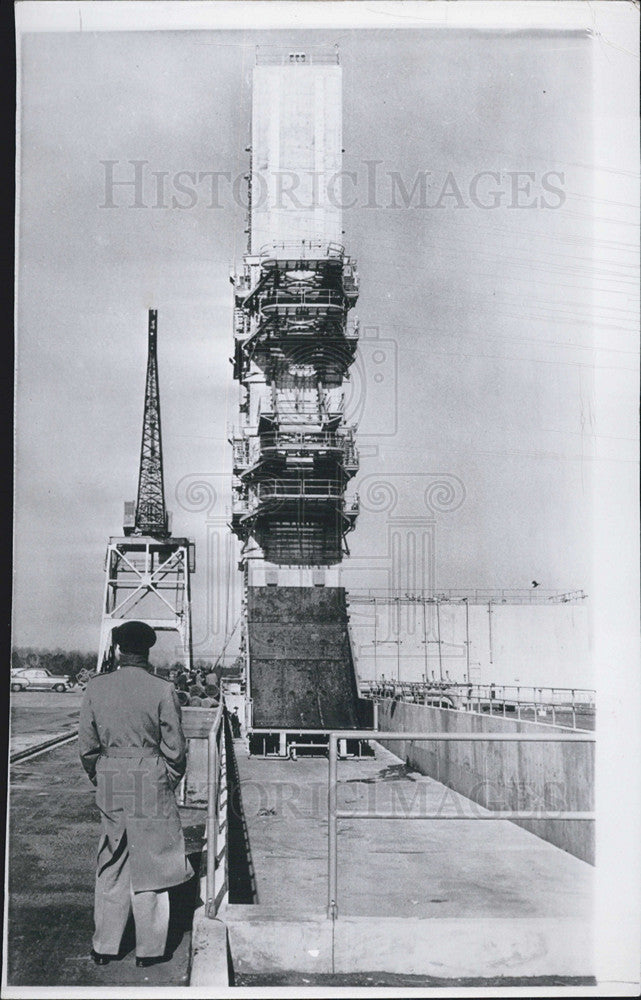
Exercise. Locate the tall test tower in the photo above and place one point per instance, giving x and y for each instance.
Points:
(294, 453)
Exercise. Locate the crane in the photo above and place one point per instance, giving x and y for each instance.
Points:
(148, 516)
(148, 570)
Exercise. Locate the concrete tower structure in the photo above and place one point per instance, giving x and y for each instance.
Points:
(294, 343)
(293, 453)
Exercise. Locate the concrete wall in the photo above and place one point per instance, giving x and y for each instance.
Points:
(503, 775)
(301, 671)
(296, 148)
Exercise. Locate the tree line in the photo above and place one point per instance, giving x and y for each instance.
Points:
(73, 662)
(57, 661)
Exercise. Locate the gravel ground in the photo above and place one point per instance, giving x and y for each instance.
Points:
(45, 712)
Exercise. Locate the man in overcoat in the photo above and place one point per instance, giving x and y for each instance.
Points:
(132, 746)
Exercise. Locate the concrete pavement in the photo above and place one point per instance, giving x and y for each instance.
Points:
(448, 899)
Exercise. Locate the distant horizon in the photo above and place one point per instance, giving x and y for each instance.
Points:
(27, 649)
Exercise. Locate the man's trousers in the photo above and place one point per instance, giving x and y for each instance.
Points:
(114, 901)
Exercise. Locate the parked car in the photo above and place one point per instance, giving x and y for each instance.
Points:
(39, 679)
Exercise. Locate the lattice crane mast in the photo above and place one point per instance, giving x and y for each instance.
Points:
(149, 515)
(148, 570)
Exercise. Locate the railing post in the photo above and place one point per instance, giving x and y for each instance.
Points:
(332, 859)
(212, 818)
(216, 766)
(211, 861)
(375, 721)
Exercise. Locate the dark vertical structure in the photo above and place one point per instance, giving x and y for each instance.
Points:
(148, 570)
(294, 451)
(151, 513)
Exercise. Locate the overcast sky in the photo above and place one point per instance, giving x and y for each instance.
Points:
(485, 314)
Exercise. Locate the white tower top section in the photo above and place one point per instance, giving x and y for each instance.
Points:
(296, 153)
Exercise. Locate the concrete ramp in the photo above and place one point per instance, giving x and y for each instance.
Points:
(301, 669)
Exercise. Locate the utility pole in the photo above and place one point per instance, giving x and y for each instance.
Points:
(425, 633)
(467, 638)
(375, 644)
(438, 636)
(398, 640)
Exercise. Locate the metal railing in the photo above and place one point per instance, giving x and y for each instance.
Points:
(216, 883)
(248, 504)
(319, 299)
(303, 322)
(431, 695)
(301, 249)
(498, 699)
(334, 813)
(322, 439)
(495, 699)
(547, 693)
(300, 488)
(248, 451)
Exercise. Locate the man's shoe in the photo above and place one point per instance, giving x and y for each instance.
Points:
(144, 963)
(100, 959)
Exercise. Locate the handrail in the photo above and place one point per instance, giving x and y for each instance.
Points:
(246, 505)
(300, 487)
(439, 685)
(493, 697)
(215, 758)
(296, 299)
(334, 813)
(249, 450)
(333, 250)
(478, 693)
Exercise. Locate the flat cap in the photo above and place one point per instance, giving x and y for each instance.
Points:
(134, 637)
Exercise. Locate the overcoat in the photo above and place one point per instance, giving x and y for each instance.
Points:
(133, 748)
